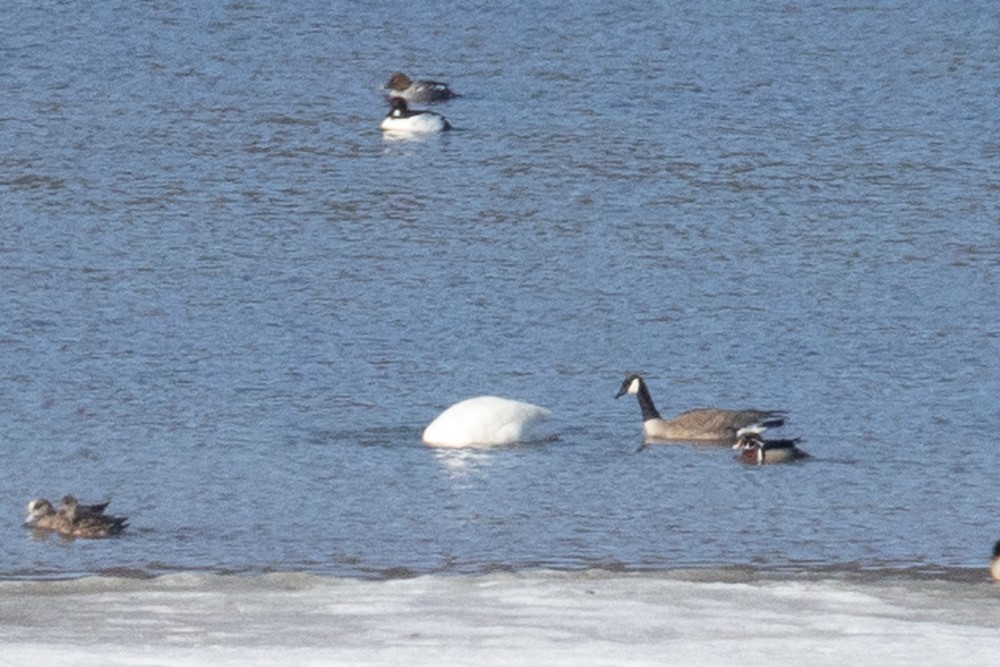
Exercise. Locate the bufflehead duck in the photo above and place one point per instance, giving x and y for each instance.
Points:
(402, 119)
(754, 449)
(702, 424)
(400, 85)
(487, 420)
(73, 519)
(995, 563)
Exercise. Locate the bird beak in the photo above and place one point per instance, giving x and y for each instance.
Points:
(621, 392)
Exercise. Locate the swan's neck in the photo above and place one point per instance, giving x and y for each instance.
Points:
(646, 403)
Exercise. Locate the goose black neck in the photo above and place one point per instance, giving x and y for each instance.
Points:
(646, 403)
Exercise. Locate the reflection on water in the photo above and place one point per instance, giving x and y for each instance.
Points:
(466, 462)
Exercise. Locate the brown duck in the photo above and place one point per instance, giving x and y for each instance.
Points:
(73, 519)
(421, 90)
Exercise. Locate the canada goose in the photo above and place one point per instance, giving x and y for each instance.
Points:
(754, 449)
(421, 90)
(995, 563)
(70, 521)
(486, 420)
(702, 424)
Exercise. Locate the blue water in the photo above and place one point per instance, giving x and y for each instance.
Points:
(231, 306)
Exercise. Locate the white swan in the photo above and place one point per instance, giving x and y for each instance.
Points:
(486, 420)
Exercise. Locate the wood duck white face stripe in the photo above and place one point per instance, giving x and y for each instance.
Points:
(754, 448)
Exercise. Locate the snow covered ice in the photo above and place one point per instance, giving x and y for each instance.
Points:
(552, 618)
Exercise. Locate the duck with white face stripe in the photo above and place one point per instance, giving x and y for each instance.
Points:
(755, 450)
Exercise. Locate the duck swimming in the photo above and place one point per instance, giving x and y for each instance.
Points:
(755, 450)
(421, 90)
(702, 424)
(73, 519)
(402, 119)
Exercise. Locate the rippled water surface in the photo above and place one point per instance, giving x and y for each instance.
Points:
(231, 306)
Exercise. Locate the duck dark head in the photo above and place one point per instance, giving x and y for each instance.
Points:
(398, 107)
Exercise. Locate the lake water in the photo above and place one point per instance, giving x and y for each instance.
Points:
(231, 306)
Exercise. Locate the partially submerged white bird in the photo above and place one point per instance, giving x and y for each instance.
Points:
(487, 420)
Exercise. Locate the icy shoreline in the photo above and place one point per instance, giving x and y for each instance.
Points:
(535, 618)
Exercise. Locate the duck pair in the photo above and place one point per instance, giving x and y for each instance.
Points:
(402, 119)
(73, 519)
(744, 428)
